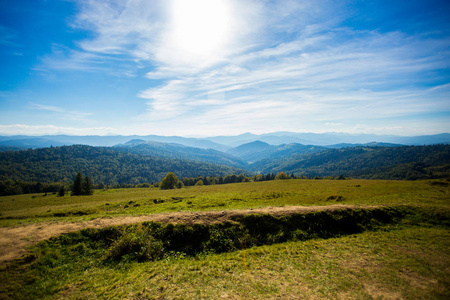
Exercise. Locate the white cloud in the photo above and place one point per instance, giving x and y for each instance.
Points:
(368, 77)
(281, 65)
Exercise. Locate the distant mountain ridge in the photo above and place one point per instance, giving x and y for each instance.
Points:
(252, 151)
(224, 143)
(327, 139)
(34, 142)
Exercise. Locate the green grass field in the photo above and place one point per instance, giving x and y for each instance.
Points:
(408, 258)
(22, 209)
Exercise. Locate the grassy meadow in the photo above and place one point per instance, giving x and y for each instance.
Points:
(399, 250)
(35, 208)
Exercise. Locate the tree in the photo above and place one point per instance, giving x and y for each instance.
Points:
(180, 184)
(87, 186)
(77, 188)
(82, 186)
(62, 191)
(282, 175)
(169, 182)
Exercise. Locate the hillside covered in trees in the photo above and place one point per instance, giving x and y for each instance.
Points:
(405, 162)
(178, 151)
(45, 169)
(104, 165)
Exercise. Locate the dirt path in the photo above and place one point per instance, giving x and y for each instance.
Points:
(14, 241)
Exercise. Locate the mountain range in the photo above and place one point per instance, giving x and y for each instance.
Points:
(224, 143)
(134, 160)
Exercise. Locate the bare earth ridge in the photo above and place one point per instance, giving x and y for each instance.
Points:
(15, 240)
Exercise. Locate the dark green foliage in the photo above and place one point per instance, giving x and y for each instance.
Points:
(62, 191)
(177, 151)
(77, 188)
(82, 186)
(10, 187)
(204, 180)
(170, 181)
(138, 246)
(87, 188)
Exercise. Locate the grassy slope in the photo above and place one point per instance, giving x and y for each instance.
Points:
(20, 209)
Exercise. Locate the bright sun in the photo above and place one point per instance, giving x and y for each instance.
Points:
(200, 28)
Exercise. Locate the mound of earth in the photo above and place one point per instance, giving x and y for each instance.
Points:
(15, 240)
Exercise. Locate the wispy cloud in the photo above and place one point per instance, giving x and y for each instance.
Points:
(367, 76)
(47, 107)
(61, 112)
(286, 65)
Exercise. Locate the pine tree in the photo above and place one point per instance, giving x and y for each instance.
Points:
(87, 186)
(77, 188)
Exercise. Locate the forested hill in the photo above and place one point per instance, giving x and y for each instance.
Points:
(405, 162)
(111, 166)
(177, 151)
(103, 165)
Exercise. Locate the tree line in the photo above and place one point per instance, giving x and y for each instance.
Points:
(83, 185)
(171, 181)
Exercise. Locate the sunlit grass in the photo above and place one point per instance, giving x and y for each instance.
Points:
(21, 209)
(403, 263)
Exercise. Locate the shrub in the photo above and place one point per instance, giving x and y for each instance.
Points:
(137, 246)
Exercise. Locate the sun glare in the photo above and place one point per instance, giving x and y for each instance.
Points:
(200, 27)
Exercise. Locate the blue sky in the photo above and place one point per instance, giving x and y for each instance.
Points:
(224, 67)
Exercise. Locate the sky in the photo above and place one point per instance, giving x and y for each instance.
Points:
(224, 67)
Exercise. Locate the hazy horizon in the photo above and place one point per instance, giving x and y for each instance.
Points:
(275, 133)
(204, 68)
